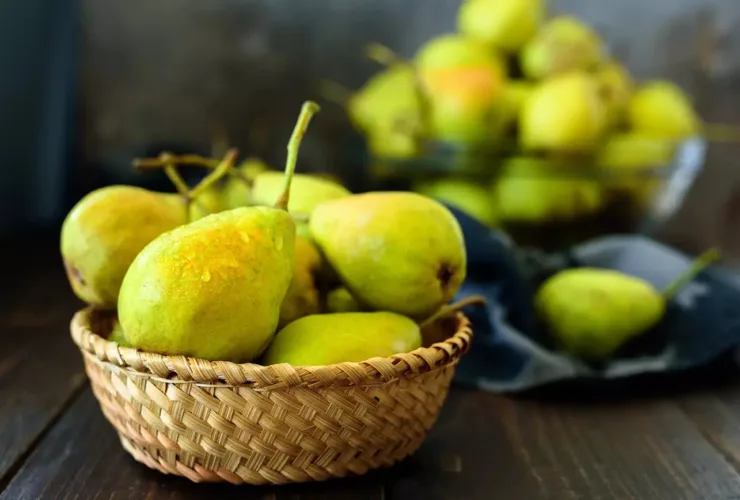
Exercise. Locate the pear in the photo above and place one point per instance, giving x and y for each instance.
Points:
(564, 113)
(515, 95)
(395, 251)
(469, 196)
(105, 230)
(616, 88)
(563, 44)
(389, 143)
(302, 298)
(661, 109)
(452, 51)
(326, 339)
(341, 300)
(632, 162)
(207, 203)
(236, 191)
(502, 24)
(307, 192)
(592, 312)
(118, 336)
(530, 190)
(213, 289)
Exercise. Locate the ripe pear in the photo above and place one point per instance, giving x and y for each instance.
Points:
(394, 251)
(118, 336)
(105, 230)
(453, 51)
(213, 289)
(326, 339)
(341, 300)
(616, 87)
(564, 113)
(236, 191)
(307, 192)
(661, 109)
(469, 196)
(592, 312)
(562, 45)
(632, 162)
(302, 298)
(531, 191)
(502, 24)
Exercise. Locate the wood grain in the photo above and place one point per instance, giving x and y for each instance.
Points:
(40, 369)
(643, 450)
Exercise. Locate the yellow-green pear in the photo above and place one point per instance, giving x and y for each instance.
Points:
(615, 88)
(326, 339)
(452, 51)
(341, 300)
(213, 289)
(514, 97)
(394, 251)
(563, 44)
(302, 298)
(564, 113)
(503, 24)
(118, 336)
(531, 190)
(105, 230)
(236, 191)
(592, 312)
(207, 203)
(661, 109)
(471, 197)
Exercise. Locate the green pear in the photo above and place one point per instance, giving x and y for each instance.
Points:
(213, 289)
(564, 113)
(118, 336)
(530, 190)
(616, 88)
(105, 230)
(395, 251)
(661, 109)
(452, 51)
(327, 339)
(302, 298)
(502, 24)
(340, 300)
(237, 191)
(207, 203)
(563, 44)
(469, 196)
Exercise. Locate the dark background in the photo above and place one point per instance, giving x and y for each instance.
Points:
(88, 85)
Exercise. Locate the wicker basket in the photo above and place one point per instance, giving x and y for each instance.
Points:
(246, 423)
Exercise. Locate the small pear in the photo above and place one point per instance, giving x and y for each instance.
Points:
(341, 300)
(562, 45)
(302, 298)
(105, 230)
(236, 191)
(469, 196)
(661, 109)
(395, 251)
(530, 190)
(118, 336)
(213, 289)
(564, 113)
(327, 339)
(615, 88)
(502, 24)
(453, 51)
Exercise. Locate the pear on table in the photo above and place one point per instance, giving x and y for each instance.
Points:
(394, 251)
(213, 289)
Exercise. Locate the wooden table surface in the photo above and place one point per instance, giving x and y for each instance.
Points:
(669, 440)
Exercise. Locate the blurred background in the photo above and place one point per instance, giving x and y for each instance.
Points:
(90, 85)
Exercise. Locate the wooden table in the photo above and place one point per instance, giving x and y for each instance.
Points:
(677, 439)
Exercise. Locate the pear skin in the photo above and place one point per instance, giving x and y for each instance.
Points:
(104, 232)
(237, 191)
(395, 251)
(472, 198)
(306, 193)
(302, 298)
(209, 202)
(341, 300)
(211, 289)
(661, 109)
(505, 25)
(325, 339)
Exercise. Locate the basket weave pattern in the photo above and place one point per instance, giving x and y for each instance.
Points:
(246, 423)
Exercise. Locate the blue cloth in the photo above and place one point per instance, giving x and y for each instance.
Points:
(511, 353)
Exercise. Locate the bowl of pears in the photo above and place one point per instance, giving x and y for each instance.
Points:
(265, 327)
(524, 121)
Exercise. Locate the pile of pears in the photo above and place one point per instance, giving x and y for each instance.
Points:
(256, 265)
(554, 127)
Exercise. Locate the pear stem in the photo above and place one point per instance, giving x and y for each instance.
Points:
(189, 159)
(450, 309)
(173, 174)
(308, 109)
(701, 263)
(213, 177)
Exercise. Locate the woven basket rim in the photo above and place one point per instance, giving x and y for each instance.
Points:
(189, 370)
